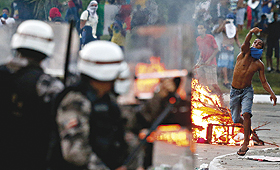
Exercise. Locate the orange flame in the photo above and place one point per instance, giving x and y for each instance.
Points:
(149, 75)
(209, 117)
(173, 134)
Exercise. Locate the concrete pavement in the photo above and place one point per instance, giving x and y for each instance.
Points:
(224, 157)
(257, 157)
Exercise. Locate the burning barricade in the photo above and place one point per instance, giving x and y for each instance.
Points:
(212, 122)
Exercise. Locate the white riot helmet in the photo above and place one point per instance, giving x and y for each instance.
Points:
(35, 35)
(122, 84)
(101, 60)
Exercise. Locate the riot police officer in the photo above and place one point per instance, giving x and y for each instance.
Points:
(26, 93)
(90, 122)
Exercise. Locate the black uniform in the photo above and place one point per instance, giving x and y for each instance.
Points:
(26, 123)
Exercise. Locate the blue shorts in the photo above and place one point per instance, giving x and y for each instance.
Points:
(241, 100)
(226, 59)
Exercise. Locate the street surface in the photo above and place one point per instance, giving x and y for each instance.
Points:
(205, 153)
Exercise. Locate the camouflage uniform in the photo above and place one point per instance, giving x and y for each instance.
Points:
(73, 124)
(74, 110)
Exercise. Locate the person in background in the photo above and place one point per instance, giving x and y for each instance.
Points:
(263, 25)
(86, 36)
(240, 14)
(23, 10)
(241, 94)
(272, 40)
(79, 5)
(139, 17)
(206, 66)
(118, 29)
(90, 18)
(249, 17)
(218, 35)
(72, 14)
(55, 15)
(5, 19)
(255, 6)
(233, 8)
(267, 9)
(226, 56)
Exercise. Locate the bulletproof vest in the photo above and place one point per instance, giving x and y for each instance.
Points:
(25, 121)
(107, 132)
(106, 128)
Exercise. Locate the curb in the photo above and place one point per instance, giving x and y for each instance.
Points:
(258, 98)
(215, 163)
(262, 98)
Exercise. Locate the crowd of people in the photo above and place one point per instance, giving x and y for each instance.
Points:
(224, 20)
(81, 126)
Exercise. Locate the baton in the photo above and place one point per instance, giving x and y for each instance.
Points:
(66, 71)
(155, 124)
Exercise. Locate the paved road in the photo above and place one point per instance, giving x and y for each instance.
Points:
(205, 153)
(261, 113)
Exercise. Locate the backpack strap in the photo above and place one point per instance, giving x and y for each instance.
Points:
(88, 15)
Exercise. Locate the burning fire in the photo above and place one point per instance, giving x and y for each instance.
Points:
(173, 134)
(212, 122)
(144, 88)
(149, 75)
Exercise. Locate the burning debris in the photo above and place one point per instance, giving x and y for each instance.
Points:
(212, 122)
(148, 77)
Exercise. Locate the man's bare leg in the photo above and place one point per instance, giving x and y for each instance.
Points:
(240, 28)
(247, 130)
(224, 70)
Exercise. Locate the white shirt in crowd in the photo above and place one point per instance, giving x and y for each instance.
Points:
(91, 21)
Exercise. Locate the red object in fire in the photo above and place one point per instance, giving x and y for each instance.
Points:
(223, 134)
(200, 140)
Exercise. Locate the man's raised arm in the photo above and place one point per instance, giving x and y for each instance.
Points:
(246, 45)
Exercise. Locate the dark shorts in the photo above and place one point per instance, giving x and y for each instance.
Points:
(270, 46)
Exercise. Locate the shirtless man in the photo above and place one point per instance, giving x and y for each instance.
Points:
(241, 95)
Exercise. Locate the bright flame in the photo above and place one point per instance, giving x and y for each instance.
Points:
(212, 121)
(149, 75)
(173, 134)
